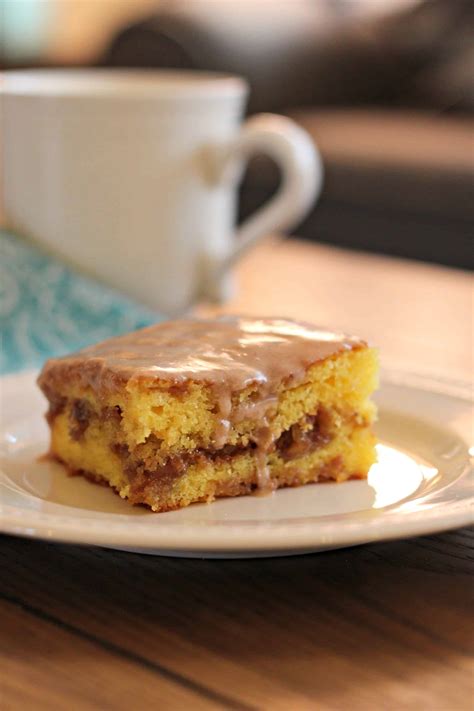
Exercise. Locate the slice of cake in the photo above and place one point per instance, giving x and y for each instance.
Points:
(191, 410)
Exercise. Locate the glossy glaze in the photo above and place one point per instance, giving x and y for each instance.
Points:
(229, 352)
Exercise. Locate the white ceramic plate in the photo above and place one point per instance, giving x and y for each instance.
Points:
(421, 484)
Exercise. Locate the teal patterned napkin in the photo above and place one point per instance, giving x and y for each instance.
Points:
(46, 309)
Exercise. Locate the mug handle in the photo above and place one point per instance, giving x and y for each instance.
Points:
(292, 149)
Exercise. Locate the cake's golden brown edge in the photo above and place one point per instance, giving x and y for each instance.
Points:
(323, 474)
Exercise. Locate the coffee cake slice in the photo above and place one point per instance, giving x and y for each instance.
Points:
(196, 409)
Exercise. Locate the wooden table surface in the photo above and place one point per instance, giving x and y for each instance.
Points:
(382, 626)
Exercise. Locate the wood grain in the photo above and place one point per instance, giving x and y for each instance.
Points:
(48, 664)
(382, 626)
(379, 627)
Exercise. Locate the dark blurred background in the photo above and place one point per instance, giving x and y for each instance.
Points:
(385, 87)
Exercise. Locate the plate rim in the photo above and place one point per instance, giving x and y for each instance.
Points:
(255, 537)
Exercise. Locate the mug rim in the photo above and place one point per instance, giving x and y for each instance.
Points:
(120, 83)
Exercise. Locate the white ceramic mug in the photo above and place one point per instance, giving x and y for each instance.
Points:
(132, 176)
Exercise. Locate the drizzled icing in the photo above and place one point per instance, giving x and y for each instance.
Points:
(228, 354)
(231, 351)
